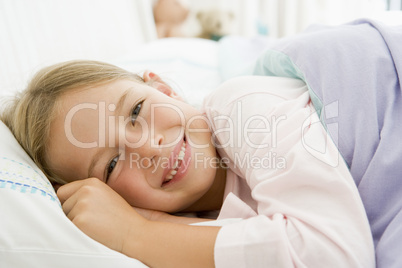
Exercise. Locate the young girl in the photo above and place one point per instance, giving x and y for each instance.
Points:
(117, 141)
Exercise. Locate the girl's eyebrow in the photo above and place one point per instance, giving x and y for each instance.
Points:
(122, 100)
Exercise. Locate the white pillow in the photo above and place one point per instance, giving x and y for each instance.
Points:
(34, 232)
(189, 65)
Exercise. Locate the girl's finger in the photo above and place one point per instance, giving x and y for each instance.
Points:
(69, 205)
(67, 190)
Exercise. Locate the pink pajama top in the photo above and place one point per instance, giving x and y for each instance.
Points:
(286, 180)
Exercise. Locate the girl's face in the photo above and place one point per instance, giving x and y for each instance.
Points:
(144, 142)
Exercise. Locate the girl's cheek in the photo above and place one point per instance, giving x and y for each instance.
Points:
(120, 185)
(130, 188)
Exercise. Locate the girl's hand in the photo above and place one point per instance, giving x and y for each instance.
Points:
(105, 216)
(100, 212)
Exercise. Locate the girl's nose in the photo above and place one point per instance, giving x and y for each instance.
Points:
(158, 140)
(141, 143)
(145, 152)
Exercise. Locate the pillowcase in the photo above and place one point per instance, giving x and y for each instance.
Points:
(34, 231)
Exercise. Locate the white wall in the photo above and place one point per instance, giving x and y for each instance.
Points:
(285, 17)
(42, 32)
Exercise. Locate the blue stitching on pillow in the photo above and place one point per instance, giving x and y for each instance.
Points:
(27, 166)
(23, 188)
(15, 175)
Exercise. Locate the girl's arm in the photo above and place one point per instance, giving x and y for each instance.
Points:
(106, 217)
(304, 209)
(165, 244)
(154, 215)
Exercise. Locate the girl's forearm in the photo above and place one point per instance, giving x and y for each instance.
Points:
(180, 219)
(166, 244)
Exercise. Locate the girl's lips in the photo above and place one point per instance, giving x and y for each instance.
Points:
(182, 166)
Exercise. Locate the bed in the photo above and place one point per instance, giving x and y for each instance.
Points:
(34, 230)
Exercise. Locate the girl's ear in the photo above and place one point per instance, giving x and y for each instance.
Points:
(155, 81)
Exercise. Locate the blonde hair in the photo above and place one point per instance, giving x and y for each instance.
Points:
(31, 112)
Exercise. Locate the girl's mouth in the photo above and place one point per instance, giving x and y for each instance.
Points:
(176, 164)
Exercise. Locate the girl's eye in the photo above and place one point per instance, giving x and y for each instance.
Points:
(135, 112)
(110, 167)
